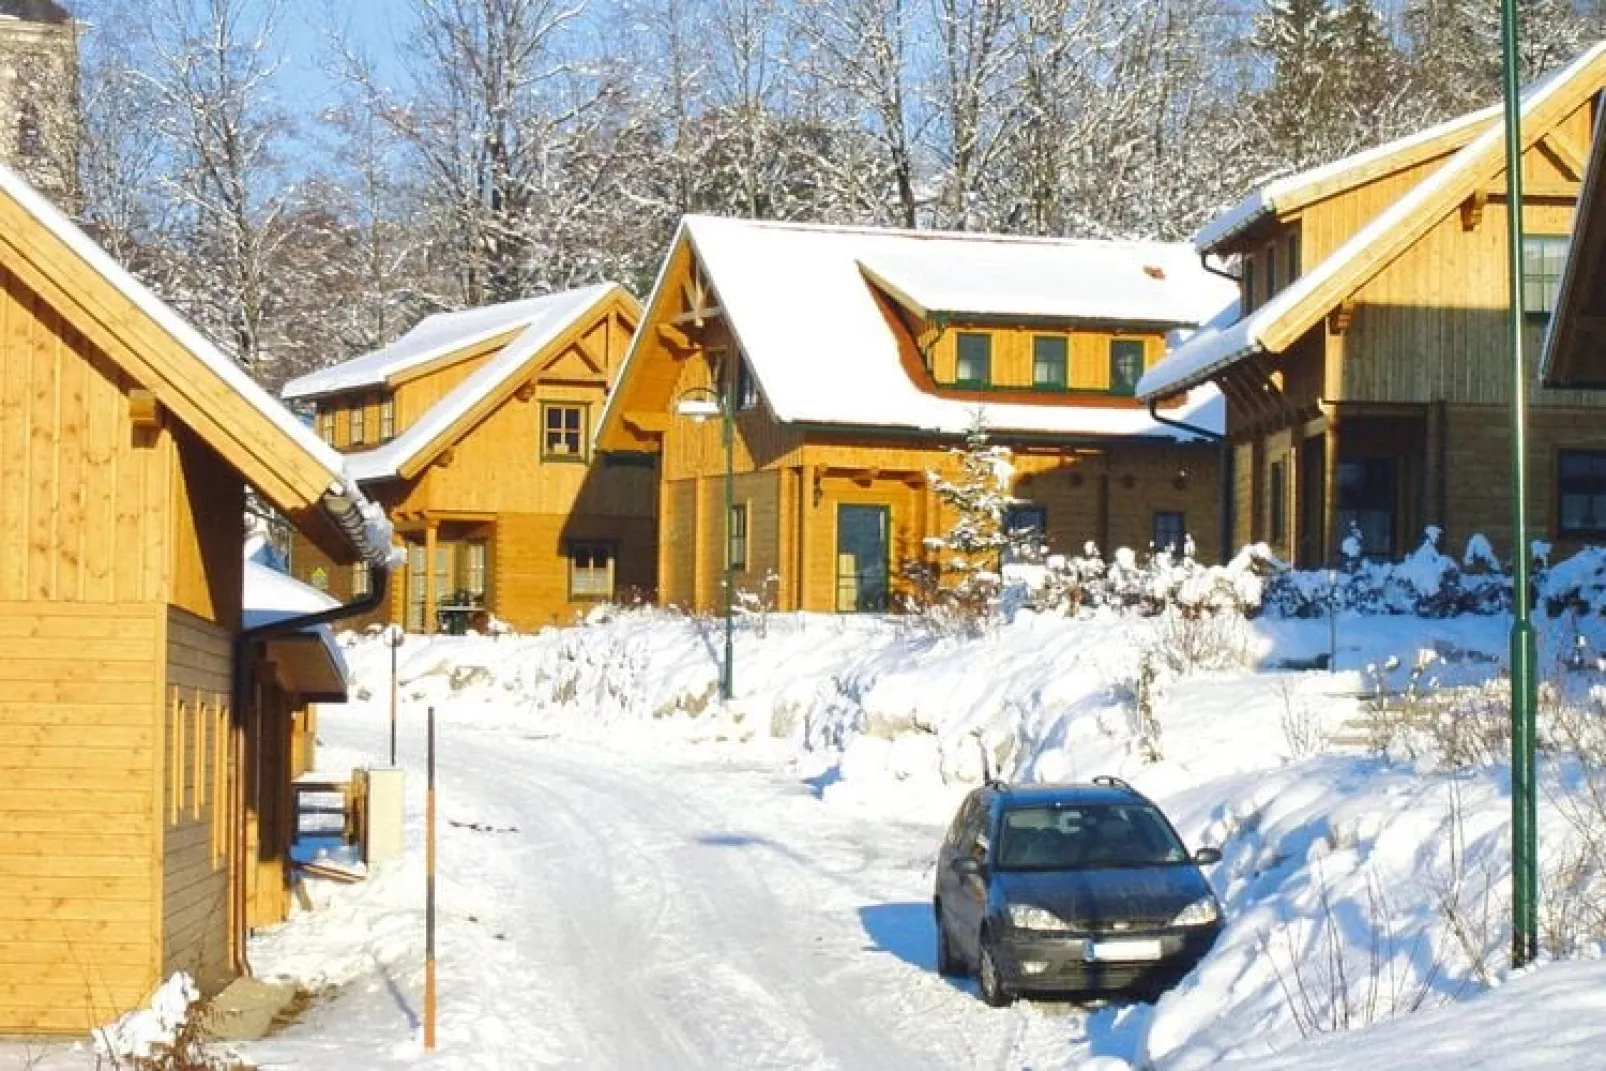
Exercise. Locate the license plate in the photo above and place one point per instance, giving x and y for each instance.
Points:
(1132, 951)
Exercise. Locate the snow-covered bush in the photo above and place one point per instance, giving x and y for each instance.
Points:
(1426, 583)
(168, 1035)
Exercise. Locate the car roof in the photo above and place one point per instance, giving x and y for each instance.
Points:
(1011, 796)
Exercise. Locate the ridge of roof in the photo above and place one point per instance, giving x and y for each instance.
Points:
(564, 309)
(1218, 345)
(437, 335)
(1287, 192)
(695, 219)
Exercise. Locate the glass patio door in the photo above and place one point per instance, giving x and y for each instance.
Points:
(863, 552)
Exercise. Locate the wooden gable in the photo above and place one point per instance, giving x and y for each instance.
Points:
(580, 355)
(1478, 169)
(637, 412)
(47, 258)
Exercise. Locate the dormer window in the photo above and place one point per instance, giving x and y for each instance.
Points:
(387, 418)
(1049, 362)
(975, 359)
(1126, 365)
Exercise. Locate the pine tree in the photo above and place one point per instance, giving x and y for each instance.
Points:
(970, 552)
(1299, 105)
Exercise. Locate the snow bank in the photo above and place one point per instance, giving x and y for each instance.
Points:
(1356, 888)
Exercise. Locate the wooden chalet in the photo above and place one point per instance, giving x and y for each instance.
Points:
(855, 359)
(1366, 365)
(127, 671)
(474, 430)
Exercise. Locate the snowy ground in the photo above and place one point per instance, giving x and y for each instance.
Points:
(634, 878)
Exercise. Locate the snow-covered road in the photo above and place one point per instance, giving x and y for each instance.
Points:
(673, 908)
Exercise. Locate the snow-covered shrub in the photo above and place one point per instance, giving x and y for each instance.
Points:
(1356, 962)
(168, 1035)
(756, 604)
(1426, 583)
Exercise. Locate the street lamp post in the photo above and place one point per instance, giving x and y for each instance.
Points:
(700, 403)
(1524, 799)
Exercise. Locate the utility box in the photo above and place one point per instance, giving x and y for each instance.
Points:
(384, 814)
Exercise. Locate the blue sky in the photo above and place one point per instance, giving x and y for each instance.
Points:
(378, 26)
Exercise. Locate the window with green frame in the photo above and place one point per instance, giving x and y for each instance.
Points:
(1544, 256)
(974, 367)
(1049, 359)
(563, 432)
(1126, 364)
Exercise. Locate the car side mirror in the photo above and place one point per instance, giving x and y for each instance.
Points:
(1207, 856)
(967, 866)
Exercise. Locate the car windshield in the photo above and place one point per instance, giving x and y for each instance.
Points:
(1080, 836)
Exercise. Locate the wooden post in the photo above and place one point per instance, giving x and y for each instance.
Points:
(431, 596)
(805, 532)
(429, 894)
(393, 635)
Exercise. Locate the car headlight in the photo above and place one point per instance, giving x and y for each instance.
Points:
(1201, 912)
(1027, 917)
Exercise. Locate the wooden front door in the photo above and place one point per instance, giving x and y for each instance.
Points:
(863, 552)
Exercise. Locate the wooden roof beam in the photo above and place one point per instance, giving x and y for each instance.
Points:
(1564, 155)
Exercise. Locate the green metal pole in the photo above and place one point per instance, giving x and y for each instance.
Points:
(727, 672)
(1524, 800)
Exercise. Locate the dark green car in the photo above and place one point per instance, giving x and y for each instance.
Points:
(1077, 889)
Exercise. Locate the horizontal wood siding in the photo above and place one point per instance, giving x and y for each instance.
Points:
(530, 563)
(78, 776)
(195, 807)
(84, 515)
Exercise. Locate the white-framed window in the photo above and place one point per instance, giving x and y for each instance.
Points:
(591, 569)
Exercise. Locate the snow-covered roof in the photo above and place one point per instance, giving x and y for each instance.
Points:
(797, 300)
(545, 319)
(431, 338)
(1129, 282)
(376, 531)
(1293, 190)
(1228, 338)
(271, 596)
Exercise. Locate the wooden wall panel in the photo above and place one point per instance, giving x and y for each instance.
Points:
(195, 828)
(78, 775)
(85, 514)
(530, 585)
(208, 505)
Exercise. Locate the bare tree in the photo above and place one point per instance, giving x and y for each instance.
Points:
(211, 68)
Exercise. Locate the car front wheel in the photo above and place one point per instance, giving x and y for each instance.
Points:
(994, 992)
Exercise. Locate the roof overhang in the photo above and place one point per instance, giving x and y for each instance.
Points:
(191, 379)
(1575, 342)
